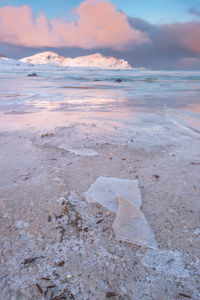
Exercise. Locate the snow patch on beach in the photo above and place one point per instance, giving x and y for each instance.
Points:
(166, 261)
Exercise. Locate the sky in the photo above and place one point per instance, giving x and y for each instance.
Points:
(155, 11)
(148, 33)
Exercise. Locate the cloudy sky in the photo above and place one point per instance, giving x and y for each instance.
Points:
(152, 33)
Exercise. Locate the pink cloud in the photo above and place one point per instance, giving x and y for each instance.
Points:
(99, 24)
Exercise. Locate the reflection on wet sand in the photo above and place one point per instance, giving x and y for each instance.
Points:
(194, 108)
(50, 120)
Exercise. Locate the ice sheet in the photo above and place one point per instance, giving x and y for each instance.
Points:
(105, 189)
(130, 225)
(80, 151)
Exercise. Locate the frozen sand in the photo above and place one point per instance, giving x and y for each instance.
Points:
(43, 213)
(36, 176)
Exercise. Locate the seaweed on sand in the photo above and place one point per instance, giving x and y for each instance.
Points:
(74, 218)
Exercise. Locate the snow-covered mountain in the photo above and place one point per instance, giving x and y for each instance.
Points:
(94, 60)
(8, 62)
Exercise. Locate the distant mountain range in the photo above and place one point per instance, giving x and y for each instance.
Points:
(94, 60)
(9, 62)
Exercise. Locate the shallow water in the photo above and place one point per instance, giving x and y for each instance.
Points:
(58, 95)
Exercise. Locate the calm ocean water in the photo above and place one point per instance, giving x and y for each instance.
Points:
(174, 94)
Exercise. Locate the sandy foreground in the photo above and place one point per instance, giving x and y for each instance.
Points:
(54, 245)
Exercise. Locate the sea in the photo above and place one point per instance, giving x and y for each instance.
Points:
(57, 95)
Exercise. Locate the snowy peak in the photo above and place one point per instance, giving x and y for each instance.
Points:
(95, 60)
(43, 58)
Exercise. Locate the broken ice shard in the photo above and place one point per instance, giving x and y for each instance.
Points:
(105, 189)
(130, 225)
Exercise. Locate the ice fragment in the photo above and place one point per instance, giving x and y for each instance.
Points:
(130, 225)
(105, 189)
